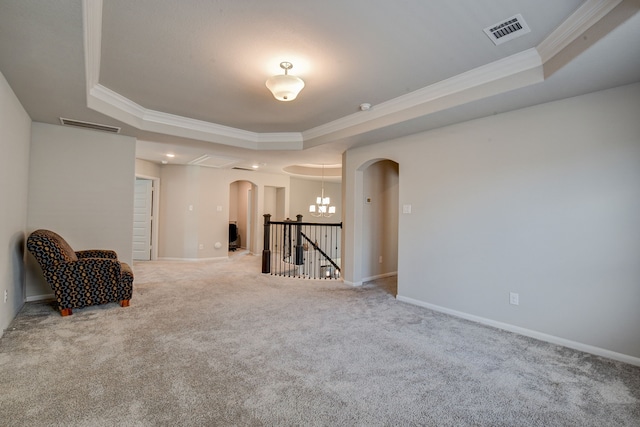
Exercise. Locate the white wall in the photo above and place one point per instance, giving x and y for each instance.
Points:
(80, 186)
(304, 193)
(15, 134)
(182, 231)
(543, 202)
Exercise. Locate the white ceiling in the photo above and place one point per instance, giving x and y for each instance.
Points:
(187, 76)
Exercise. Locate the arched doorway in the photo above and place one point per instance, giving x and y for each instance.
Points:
(242, 214)
(380, 215)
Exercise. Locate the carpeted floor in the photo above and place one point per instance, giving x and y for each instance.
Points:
(219, 344)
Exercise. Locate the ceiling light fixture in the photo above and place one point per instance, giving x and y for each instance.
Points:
(322, 208)
(285, 87)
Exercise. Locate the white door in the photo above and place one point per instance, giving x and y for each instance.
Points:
(247, 244)
(142, 201)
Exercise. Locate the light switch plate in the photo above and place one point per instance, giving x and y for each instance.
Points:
(514, 298)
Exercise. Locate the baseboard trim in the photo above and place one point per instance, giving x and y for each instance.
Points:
(354, 284)
(42, 297)
(192, 259)
(380, 276)
(370, 278)
(527, 332)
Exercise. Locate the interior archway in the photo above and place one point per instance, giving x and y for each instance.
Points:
(242, 214)
(380, 186)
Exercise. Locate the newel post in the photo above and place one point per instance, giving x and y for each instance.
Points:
(266, 253)
(299, 247)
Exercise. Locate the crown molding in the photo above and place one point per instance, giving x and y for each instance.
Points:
(121, 108)
(456, 90)
(92, 32)
(518, 70)
(573, 27)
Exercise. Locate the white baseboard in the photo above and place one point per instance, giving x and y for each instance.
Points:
(354, 284)
(379, 276)
(43, 297)
(527, 332)
(192, 259)
(368, 279)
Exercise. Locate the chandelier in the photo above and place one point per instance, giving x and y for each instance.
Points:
(285, 87)
(322, 206)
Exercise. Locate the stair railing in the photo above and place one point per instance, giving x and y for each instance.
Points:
(301, 249)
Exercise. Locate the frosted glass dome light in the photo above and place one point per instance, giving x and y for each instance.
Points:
(285, 87)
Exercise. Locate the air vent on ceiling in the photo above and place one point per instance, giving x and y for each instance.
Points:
(214, 161)
(89, 125)
(507, 30)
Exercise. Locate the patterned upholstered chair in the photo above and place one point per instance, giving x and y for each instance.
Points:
(83, 278)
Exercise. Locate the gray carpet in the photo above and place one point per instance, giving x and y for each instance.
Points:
(218, 343)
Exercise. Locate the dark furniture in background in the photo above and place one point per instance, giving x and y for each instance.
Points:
(233, 236)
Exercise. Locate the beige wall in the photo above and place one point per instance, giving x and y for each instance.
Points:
(543, 202)
(241, 210)
(379, 220)
(274, 202)
(15, 134)
(197, 203)
(304, 193)
(270, 202)
(80, 186)
(147, 169)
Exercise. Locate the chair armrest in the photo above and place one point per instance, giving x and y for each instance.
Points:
(97, 253)
(88, 272)
(87, 281)
(90, 266)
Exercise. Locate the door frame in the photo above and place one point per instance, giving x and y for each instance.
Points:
(155, 213)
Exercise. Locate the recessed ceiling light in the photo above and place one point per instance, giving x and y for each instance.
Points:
(171, 155)
(164, 162)
(255, 166)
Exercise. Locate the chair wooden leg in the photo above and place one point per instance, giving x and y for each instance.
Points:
(65, 312)
(124, 303)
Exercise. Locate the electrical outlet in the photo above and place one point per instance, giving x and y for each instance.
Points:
(6, 295)
(380, 259)
(514, 298)
(201, 246)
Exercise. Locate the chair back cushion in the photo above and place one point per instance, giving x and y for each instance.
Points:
(48, 247)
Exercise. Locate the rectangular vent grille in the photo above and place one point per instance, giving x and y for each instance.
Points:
(89, 125)
(214, 161)
(507, 30)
